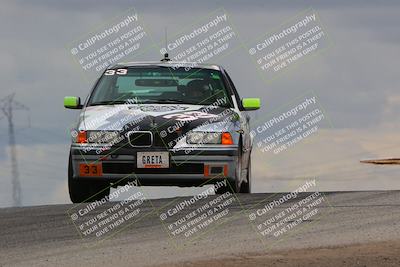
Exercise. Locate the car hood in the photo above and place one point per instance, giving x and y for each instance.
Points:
(157, 117)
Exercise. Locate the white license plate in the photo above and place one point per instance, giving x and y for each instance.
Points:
(152, 159)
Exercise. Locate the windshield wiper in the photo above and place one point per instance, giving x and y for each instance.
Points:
(164, 101)
(147, 101)
(115, 102)
(168, 100)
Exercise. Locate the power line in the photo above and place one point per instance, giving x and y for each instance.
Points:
(8, 105)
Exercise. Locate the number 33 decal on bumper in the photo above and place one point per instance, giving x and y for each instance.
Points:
(90, 170)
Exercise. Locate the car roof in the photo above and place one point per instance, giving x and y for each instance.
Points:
(166, 64)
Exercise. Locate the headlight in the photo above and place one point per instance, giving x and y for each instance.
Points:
(208, 138)
(203, 138)
(101, 137)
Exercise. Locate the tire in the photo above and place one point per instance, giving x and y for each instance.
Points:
(233, 186)
(85, 190)
(246, 186)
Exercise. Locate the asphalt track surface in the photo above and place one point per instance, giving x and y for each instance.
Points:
(355, 221)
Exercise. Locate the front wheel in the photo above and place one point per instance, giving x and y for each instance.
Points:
(233, 186)
(85, 190)
(246, 185)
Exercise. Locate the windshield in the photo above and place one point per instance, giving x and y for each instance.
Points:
(160, 85)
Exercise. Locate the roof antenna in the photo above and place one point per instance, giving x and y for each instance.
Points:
(166, 58)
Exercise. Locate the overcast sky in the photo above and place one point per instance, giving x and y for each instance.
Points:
(356, 81)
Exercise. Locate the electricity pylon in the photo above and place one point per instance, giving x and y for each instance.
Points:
(7, 105)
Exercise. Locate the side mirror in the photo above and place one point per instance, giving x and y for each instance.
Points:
(72, 102)
(251, 103)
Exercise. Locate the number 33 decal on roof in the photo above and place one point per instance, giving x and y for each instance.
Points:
(118, 72)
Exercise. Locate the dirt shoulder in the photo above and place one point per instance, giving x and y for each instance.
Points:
(372, 254)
